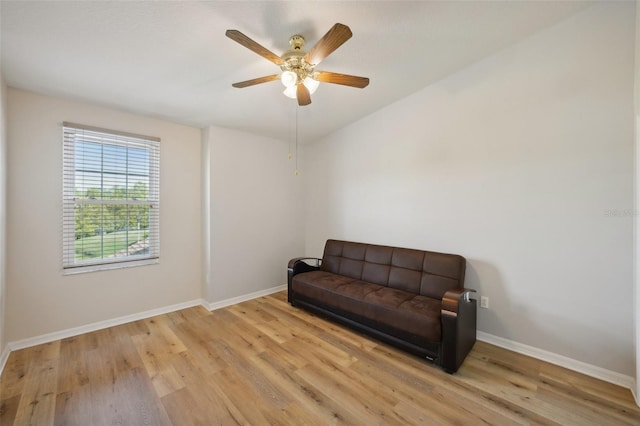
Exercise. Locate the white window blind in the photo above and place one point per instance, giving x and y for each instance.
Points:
(111, 197)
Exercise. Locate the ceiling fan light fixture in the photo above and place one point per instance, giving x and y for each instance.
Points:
(311, 84)
(291, 92)
(289, 79)
(297, 66)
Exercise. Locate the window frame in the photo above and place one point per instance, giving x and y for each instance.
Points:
(74, 133)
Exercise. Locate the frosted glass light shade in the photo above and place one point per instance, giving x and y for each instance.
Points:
(291, 89)
(311, 84)
(289, 78)
(291, 92)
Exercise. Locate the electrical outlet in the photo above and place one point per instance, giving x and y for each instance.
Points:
(484, 302)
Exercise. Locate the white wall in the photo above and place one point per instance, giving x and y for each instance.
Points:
(513, 163)
(205, 156)
(3, 213)
(636, 233)
(42, 299)
(255, 213)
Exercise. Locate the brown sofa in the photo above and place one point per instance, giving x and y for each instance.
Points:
(413, 299)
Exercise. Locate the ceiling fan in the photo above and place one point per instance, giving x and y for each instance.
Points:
(298, 66)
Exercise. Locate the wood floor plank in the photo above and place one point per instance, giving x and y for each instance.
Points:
(310, 400)
(253, 311)
(74, 407)
(202, 350)
(73, 370)
(15, 373)
(155, 352)
(502, 387)
(39, 394)
(186, 407)
(187, 315)
(263, 362)
(595, 388)
(242, 371)
(8, 410)
(351, 402)
(249, 401)
(210, 406)
(588, 406)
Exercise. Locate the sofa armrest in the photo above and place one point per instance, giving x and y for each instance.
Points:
(458, 316)
(453, 298)
(298, 265)
(296, 262)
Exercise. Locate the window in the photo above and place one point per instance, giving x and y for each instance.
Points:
(111, 195)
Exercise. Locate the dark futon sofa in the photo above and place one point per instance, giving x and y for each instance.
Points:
(413, 299)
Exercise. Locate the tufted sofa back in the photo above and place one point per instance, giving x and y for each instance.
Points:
(421, 272)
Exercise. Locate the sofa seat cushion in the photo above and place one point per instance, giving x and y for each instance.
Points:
(333, 290)
(397, 309)
(322, 281)
(415, 314)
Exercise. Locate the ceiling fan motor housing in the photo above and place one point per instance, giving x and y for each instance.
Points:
(293, 60)
(296, 42)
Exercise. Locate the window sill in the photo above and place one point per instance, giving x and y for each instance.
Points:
(109, 266)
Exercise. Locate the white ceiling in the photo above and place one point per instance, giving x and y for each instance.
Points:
(172, 60)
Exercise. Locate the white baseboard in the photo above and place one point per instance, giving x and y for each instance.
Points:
(239, 299)
(4, 357)
(553, 358)
(563, 361)
(63, 334)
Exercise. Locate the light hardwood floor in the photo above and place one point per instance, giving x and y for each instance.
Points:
(263, 362)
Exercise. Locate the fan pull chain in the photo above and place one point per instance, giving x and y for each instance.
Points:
(296, 172)
(289, 155)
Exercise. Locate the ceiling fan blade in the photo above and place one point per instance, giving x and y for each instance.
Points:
(333, 39)
(303, 95)
(344, 79)
(258, 80)
(238, 37)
